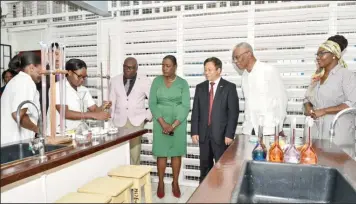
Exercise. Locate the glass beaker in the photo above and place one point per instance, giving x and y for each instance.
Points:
(95, 128)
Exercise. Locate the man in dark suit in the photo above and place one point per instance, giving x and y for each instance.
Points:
(214, 115)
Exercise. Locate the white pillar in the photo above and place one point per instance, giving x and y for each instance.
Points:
(180, 42)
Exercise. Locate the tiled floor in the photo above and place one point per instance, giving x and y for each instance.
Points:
(186, 192)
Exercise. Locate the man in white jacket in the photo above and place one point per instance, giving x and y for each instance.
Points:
(263, 90)
(128, 92)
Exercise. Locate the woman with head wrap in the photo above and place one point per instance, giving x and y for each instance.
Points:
(333, 89)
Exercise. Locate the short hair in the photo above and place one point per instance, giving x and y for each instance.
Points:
(172, 58)
(131, 58)
(244, 45)
(217, 62)
(12, 72)
(75, 64)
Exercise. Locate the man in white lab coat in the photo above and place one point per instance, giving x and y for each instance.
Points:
(128, 92)
(263, 90)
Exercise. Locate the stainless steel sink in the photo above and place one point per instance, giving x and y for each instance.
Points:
(265, 182)
(16, 151)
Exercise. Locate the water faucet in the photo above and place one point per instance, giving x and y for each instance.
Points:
(35, 143)
(336, 118)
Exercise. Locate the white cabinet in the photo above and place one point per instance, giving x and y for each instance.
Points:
(50, 185)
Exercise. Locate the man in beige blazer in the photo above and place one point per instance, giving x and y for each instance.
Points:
(128, 92)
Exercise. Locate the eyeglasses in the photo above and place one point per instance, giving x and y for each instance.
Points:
(80, 76)
(320, 54)
(237, 58)
(129, 68)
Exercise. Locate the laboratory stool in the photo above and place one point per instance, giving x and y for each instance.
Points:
(140, 175)
(75, 197)
(118, 189)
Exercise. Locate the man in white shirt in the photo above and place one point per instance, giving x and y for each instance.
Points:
(128, 92)
(263, 91)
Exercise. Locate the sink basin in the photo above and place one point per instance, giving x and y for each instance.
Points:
(13, 152)
(265, 182)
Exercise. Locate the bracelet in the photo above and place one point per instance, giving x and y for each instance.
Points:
(173, 125)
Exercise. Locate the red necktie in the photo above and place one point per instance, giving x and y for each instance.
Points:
(211, 100)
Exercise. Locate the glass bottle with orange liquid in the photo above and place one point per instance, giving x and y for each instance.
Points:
(275, 153)
(307, 124)
(307, 153)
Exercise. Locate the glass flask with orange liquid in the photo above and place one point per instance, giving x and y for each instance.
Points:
(275, 153)
(308, 123)
(307, 153)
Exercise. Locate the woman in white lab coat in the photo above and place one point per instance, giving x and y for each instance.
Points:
(21, 88)
(77, 73)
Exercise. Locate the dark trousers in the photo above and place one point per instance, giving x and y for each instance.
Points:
(208, 151)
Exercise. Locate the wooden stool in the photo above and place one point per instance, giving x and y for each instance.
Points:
(75, 197)
(140, 175)
(118, 189)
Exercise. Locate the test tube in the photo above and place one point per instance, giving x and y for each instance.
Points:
(101, 83)
(108, 70)
(108, 124)
(62, 90)
(44, 61)
(53, 91)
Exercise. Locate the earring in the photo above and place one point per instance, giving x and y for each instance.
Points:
(333, 57)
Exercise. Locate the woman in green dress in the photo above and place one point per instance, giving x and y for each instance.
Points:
(169, 103)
